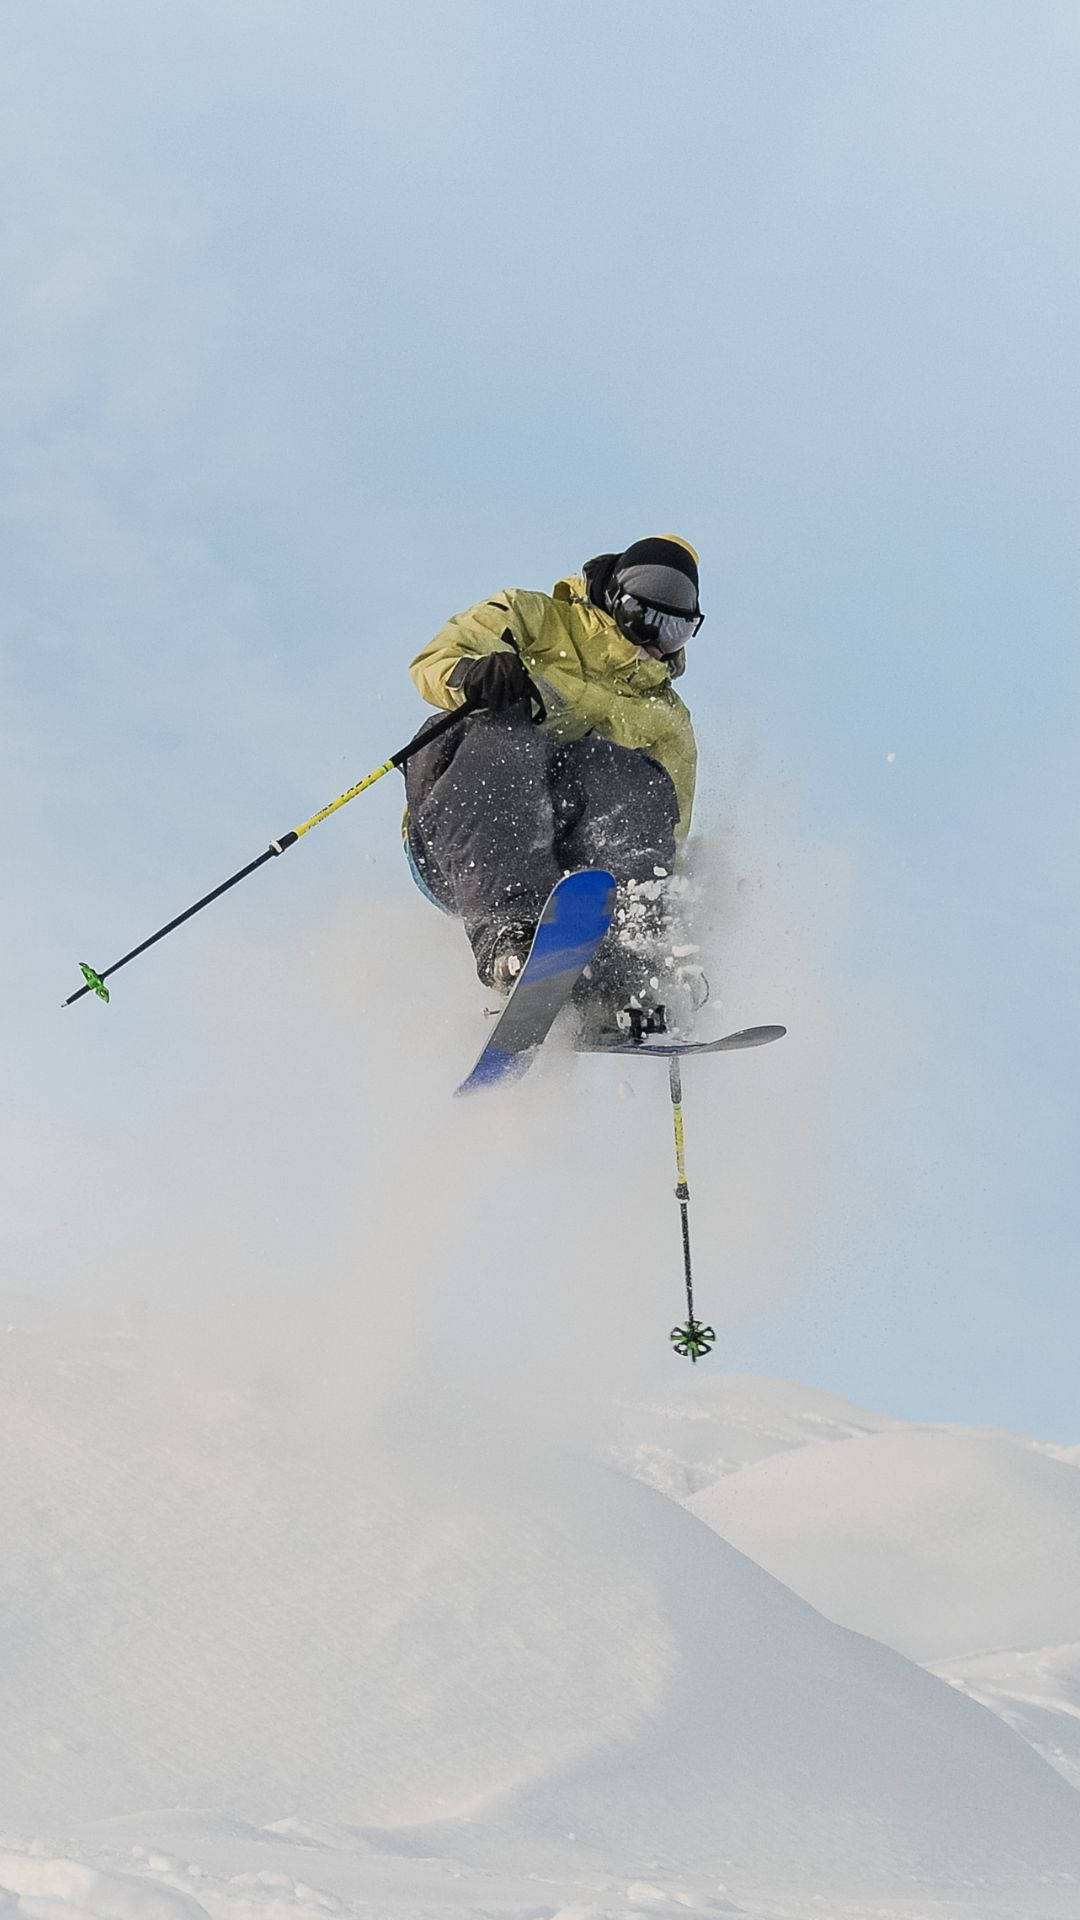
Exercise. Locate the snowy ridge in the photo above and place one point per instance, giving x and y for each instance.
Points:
(684, 1443)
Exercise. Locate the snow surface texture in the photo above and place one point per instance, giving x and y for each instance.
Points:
(421, 1665)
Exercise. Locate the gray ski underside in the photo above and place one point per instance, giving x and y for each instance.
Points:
(747, 1037)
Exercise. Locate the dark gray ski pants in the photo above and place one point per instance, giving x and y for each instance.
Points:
(499, 810)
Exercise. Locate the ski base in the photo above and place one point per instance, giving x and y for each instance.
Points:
(576, 916)
(665, 1047)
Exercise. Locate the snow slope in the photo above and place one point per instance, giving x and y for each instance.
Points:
(938, 1542)
(1036, 1691)
(458, 1641)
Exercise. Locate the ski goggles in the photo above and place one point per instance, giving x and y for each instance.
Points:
(649, 626)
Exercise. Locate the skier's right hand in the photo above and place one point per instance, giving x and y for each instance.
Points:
(498, 681)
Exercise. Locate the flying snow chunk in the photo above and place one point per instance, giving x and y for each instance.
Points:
(890, 757)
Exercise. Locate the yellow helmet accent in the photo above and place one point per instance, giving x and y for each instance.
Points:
(684, 544)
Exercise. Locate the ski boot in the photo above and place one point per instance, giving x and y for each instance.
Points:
(620, 993)
(501, 949)
(648, 929)
(644, 980)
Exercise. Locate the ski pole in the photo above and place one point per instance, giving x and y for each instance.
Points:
(95, 982)
(693, 1339)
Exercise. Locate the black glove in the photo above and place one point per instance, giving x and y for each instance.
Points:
(497, 681)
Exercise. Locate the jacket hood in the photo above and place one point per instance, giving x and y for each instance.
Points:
(597, 576)
(591, 585)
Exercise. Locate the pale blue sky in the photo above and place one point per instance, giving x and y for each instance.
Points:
(321, 321)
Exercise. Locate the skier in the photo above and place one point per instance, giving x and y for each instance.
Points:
(579, 753)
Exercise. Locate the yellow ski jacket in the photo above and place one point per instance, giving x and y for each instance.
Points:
(589, 676)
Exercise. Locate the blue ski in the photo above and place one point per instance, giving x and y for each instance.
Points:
(574, 921)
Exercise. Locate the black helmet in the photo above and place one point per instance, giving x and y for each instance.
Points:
(651, 592)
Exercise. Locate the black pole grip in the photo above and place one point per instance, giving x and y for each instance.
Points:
(448, 720)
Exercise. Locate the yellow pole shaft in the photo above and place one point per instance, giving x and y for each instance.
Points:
(344, 798)
(680, 1145)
